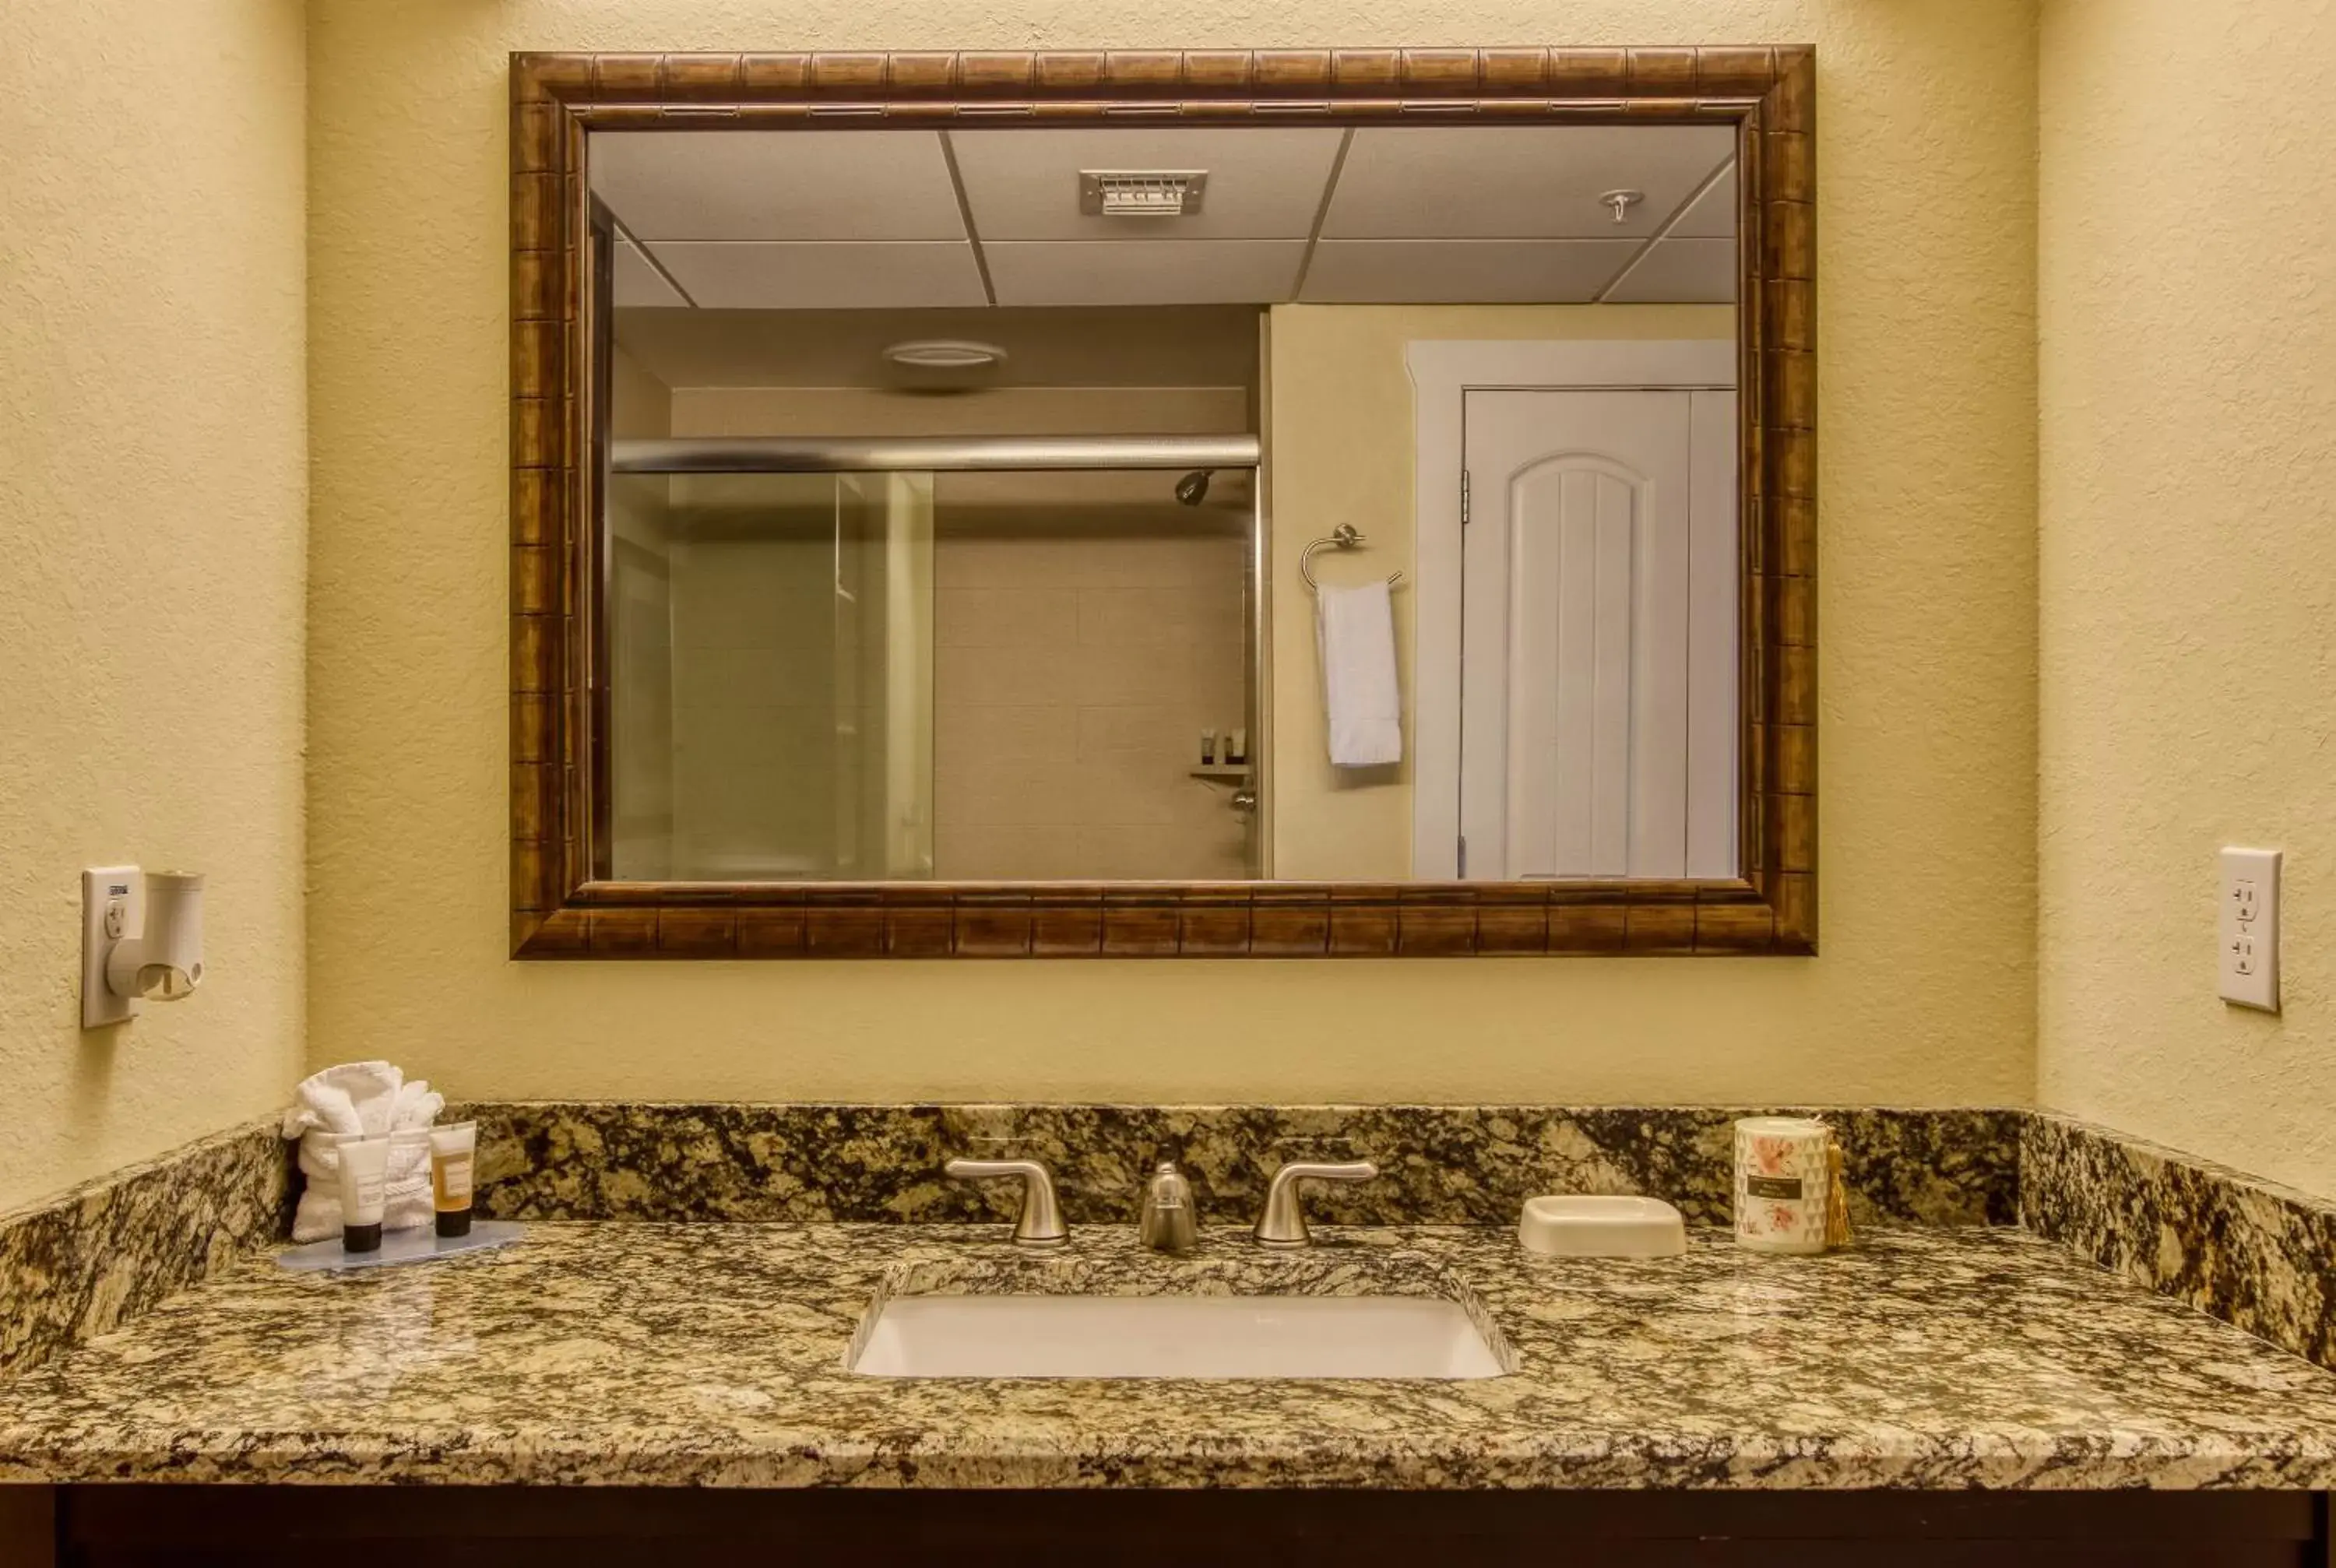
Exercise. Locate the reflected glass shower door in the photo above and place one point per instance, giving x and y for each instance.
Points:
(779, 711)
(772, 707)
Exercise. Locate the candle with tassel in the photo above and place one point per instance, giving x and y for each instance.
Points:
(1783, 1183)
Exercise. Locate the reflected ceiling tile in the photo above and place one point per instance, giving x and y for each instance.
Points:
(776, 184)
(1713, 216)
(723, 275)
(1681, 272)
(1263, 184)
(1144, 271)
(1504, 182)
(639, 284)
(1463, 271)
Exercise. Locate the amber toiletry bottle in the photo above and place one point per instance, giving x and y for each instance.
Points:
(451, 1152)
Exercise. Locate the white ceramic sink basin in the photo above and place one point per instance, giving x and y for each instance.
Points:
(1175, 1337)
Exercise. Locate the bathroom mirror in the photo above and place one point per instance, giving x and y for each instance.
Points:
(1162, 503)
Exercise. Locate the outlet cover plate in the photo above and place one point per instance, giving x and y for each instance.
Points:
(2248, 927)
(120, 890)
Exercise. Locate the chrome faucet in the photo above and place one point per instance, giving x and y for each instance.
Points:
(1041, 1224)
(1283, 1224)
(1166, 1222)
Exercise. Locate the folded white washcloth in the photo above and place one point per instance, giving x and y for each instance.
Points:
(1354, 630)
(366, 1097)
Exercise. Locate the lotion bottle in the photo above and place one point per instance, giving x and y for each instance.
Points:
(365, 1184)
(453, 1154)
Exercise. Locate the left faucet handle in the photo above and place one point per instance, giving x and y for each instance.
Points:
(1041, 1224)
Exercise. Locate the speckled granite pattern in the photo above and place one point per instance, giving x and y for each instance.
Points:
(2261, 1256)
(713, 1355)
(83, 1263)
(1441, 1164)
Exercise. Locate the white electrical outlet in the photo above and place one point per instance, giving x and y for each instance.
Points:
(2248, 927)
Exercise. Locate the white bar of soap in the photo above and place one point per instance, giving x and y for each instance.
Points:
(1602, 1227)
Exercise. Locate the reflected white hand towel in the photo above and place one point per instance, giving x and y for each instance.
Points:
(1354, 628)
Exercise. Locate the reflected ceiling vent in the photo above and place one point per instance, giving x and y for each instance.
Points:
(1142, 193)
(945, 354)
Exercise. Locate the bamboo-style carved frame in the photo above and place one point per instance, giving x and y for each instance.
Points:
(559, 910)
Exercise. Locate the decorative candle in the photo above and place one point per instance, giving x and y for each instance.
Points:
(1783, 1183)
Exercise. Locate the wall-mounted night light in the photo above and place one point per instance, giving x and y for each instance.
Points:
(142, 938)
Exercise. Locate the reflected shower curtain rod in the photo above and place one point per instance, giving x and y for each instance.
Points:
(861, 454)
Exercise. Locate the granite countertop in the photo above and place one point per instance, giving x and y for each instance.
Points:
(715, 1355)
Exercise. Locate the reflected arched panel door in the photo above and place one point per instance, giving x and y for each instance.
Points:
(1598, 636)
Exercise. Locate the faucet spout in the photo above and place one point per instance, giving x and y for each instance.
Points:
(1166, 1222)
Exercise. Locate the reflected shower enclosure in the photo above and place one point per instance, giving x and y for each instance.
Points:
(962, 672)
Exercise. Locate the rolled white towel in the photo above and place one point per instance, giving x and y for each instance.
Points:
(366, 1098)
(406, 1198)
(417, 1105)
(353, 1098)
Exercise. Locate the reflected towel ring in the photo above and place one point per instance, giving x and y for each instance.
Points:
(1346, 536)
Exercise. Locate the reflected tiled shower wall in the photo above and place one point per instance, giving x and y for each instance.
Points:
(1073, 675)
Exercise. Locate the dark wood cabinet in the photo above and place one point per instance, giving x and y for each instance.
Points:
(146, 1526)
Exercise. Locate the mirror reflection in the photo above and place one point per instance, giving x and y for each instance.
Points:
(1166, 504)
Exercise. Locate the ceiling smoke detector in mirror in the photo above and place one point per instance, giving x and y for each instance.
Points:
(942, 363)
(945, 354)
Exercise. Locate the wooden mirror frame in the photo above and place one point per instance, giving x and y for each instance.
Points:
(561, 910)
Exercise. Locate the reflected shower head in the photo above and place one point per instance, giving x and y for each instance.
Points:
(1194, 488)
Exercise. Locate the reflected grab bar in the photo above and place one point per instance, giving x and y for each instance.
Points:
(863, 454)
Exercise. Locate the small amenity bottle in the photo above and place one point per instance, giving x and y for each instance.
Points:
(453, 1152)
(365, 1190)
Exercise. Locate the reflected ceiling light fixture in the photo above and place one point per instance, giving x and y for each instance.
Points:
(945, 354)
(1619, 203)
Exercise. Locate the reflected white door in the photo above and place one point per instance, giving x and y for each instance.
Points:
(1598, 635)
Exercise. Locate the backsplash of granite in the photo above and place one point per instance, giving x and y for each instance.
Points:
(2255, 1255)
(2258, 1256)
(1440, 1165)
(83, 1263)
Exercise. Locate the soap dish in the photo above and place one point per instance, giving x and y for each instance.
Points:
(1602, 1227)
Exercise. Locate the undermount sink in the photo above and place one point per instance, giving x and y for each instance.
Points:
(1172, 1335)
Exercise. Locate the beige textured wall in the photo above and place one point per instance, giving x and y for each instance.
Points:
(2188, 564)
(1924, 992)
(152, 536)
(1342, 412)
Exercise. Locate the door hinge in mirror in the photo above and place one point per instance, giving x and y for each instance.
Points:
(1464, 498)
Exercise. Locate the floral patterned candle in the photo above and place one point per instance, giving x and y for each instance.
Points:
(1783, 1179)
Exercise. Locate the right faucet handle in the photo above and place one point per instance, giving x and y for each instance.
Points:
(1283, 1224)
